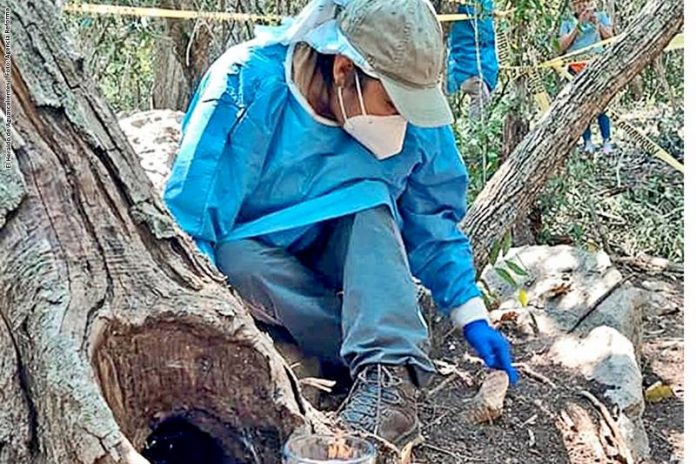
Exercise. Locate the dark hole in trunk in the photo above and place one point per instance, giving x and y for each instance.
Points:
(177, 441)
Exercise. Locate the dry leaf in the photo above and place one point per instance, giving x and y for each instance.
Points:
(558, 289)
(509, 316)
(658, 392)
(443, 367)
(522, 297)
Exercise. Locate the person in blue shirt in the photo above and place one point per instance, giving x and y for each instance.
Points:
(473, 63)
(586, 27)
(318, 171)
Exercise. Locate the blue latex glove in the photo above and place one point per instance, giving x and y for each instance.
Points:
(491, 346)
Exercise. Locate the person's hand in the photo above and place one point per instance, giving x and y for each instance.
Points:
(491, 346)
(593, 17)
(587, 16)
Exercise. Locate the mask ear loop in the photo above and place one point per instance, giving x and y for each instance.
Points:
(341, 105)
(360, 97)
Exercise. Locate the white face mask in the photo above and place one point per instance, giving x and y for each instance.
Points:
(382, 135)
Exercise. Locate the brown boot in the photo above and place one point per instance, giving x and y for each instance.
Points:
(383, 402)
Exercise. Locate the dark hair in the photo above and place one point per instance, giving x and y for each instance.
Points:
(325, 63)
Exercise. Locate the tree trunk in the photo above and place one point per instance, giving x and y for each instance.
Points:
(190, 47)
(519, 180)
(110, 323)
(515, 128)
(181, 58)
(171, 88)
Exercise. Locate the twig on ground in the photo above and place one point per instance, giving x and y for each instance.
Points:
(436, 420)
(320, 384)
(535, 375)
(532, 438)
(622, 447)
(599, 301)
(649, 264)
(441, 385)
(531, 420)
(452, 454)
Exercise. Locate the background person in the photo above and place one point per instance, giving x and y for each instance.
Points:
(587, 26)
(473, 63)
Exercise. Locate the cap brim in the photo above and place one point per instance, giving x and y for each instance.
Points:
(424, 107)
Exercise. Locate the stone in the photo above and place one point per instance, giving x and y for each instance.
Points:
(154, 136)
(562, 284)
(607, 357)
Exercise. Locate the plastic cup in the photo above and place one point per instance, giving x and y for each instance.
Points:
(329, 449)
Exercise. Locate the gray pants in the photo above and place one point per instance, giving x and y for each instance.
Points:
(347, 297)
(479, 96)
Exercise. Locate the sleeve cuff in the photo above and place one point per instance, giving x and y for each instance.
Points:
(472, 310)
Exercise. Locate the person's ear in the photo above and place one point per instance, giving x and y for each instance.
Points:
(343, 70)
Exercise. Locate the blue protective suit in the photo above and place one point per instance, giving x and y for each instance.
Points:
(254, 163)
(462, 62)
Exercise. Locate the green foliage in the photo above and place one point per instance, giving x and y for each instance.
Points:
(118, 54)
(509, 271)
(480, 143)
(631, 201)
(643, 209)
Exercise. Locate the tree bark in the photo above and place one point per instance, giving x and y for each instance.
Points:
(515, 127)
(519, 180)
(110, 322)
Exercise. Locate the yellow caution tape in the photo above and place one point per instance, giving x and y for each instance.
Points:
(676, 43)
(587, 53)
(536, 85)
(504, 50)
(636, 135)
(541, 96)
(165, 13)
(464, 17)
(443, 18)
(213, 15)
(579, 53)
(645, 142)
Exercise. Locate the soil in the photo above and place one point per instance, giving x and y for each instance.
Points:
(663, 360)
(531, 429)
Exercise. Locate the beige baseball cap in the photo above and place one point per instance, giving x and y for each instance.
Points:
(402, 41)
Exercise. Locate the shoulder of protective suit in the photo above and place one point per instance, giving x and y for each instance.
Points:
(431, 140)
(243, 71)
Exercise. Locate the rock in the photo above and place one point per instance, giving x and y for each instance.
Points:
(562, 284)
(608, 358)
(487, 405)
(655, 285)
(154, 136)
